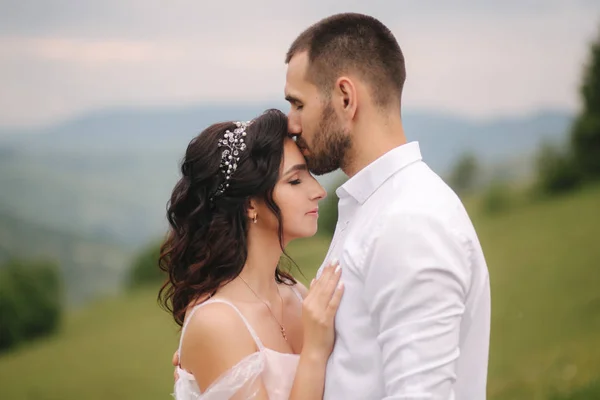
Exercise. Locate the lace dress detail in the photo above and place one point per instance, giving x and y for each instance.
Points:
(275, 370)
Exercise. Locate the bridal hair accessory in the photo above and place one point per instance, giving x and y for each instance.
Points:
(232, 144)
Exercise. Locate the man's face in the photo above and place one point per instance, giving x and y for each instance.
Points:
(313, 121)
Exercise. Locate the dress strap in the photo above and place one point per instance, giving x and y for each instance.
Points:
(211, 301)
(297, 293)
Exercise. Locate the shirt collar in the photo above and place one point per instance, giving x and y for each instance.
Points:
(362, 185)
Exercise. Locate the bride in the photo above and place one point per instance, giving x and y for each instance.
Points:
(249, 329)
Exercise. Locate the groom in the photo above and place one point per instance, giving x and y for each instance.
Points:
(414, 322)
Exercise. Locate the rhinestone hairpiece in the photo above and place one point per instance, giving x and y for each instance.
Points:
(232, 144)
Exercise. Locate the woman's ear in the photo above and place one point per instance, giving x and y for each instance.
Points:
(252, 210)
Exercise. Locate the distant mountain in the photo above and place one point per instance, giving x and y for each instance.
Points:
(442, 136)
(130, 129)
(110, 173)
(445, 138)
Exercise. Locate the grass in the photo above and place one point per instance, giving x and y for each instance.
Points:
(119, 349)
(116, 349)
(543, 259)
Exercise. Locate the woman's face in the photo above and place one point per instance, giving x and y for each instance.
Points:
(297, 194)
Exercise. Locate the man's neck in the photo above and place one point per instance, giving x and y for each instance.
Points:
(372, 141)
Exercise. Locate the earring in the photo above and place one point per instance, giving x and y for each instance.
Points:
(255, 218)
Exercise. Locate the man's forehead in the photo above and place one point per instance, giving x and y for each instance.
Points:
(296, 68)
(289, 90)
(298, 88)
(293, 89)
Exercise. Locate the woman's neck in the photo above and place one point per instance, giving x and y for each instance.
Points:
(264, 253)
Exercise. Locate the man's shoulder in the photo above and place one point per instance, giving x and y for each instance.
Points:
(419, 191)
(419, 183)
(420, 199)
(415, 199)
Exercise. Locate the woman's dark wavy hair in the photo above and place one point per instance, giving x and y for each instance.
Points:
(206, 246)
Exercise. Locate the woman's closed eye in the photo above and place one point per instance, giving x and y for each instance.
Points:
(295, 182)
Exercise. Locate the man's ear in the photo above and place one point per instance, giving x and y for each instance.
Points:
(347, 96)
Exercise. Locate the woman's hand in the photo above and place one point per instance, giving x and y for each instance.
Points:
(318, 312)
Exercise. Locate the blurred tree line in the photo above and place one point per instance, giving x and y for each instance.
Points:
(144, 270)
(31, 301)
(463, 177)
(560, 167)
(564, 168)
(328, 210)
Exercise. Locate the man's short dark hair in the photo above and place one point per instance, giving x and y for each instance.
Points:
(356, 43)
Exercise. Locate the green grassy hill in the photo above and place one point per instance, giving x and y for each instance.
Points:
(544, 265)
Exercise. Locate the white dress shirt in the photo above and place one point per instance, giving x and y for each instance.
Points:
(414, 321)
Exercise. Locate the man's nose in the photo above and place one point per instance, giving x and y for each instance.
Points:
(294, 127)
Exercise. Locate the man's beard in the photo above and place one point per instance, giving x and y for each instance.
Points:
(330, 144)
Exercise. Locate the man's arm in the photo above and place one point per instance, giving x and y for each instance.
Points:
(416, 279)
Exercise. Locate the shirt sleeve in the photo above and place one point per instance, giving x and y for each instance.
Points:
(417, 274)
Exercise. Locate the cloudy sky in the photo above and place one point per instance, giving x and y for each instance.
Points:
(61, 58)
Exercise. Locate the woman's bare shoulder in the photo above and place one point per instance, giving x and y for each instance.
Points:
(215, 339)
